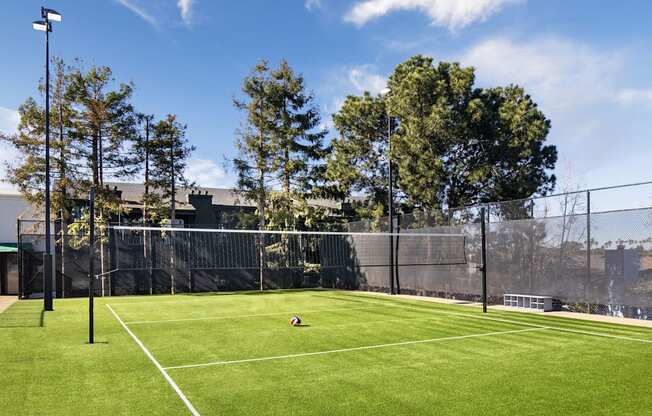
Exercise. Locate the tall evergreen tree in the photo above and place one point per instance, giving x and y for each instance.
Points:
(258, 150)
(169, 151)
(104, 123)
(301, 151)
(27, 172)
(144, 149)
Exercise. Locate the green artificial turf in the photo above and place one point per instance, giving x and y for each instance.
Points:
(568, 367)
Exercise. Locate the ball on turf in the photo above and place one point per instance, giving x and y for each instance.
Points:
(295, 321)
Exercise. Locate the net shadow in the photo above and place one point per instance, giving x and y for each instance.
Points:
(22, 318)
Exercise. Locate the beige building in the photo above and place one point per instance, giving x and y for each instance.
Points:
(12, 207)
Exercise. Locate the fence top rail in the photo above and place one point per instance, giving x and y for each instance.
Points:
(532, 198)
(406, 233)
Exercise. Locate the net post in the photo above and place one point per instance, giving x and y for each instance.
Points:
(483, 215)
(91, 271)
(588, 249)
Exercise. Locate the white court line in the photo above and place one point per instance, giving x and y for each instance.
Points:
(207, 318)
(487, 318)
(149, 355)
(366, 347)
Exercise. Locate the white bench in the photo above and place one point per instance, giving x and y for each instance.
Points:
(536, 302)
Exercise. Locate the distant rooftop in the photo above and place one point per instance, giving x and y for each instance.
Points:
(132, 196)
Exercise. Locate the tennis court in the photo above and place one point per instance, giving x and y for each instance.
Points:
(356, 353)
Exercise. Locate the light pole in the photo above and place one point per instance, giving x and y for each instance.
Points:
(48, 15)
(390, 204)
(390, 196)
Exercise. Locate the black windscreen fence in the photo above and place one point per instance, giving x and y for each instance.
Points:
(191, 260)
(561, 246)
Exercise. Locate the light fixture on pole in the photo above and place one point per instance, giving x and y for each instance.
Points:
(44, 25)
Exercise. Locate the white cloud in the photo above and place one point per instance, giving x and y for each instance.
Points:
(140, 12)
(207, 173)
(452, 14)
(9, 120)
(350, 80)
(631, 96)
(363, 78)
(185, 8)
(561, 74)
(581, 90)
(313, 4)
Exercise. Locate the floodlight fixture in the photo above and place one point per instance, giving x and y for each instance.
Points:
(40, 25)
(50, 14)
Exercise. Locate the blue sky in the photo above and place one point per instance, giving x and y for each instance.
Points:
(586, 63)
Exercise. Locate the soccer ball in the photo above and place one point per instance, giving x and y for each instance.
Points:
(295, 321)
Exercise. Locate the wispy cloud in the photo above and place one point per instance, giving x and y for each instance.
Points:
(186, 10)
(563, 74)
(349, 80)
(632, 96)
(140, 12)
(207, 173)
(313, 4)
(364, 78)
(582, 90)
(452, 14)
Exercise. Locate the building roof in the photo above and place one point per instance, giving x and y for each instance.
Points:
(132, 196)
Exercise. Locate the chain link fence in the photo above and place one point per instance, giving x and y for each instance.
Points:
(591, 249)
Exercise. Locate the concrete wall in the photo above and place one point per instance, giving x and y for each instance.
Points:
(11, 207)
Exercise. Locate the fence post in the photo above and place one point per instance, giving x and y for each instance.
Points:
(588, 249)
(19, 257)
(91, 268)
(483, 233)
(533, 230)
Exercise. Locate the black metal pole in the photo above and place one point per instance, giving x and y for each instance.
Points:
(172, 217)
(47, 260)
(390, 206)
(21, 285)
(588, 249)
(91, 265)
(483, 233)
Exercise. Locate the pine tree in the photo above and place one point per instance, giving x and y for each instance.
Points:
(27, 173)
(458, 145)
(143, 148)
(169, 152)
(359, 163)
(103, 126)
(301, 151)
(104, 123)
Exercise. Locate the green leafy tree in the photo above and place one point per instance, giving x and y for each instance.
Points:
(458, 145)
